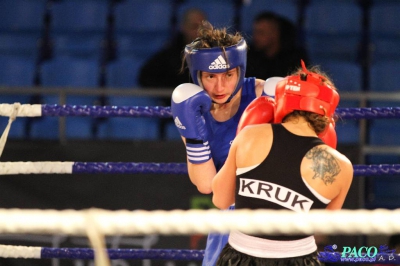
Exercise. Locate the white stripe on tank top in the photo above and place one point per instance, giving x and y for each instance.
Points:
(265, 248)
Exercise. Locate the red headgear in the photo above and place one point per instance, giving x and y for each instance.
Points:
(304, 92)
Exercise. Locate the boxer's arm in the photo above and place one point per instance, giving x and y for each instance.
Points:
(259, 86)
(224, 182)
(344, 180)
(189, 102)
(201, 175)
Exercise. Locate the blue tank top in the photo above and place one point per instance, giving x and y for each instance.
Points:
(221, 137)
(222, 133)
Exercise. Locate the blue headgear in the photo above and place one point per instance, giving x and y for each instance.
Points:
(214, 60)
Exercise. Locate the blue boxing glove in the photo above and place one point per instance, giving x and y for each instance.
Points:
(188, 104)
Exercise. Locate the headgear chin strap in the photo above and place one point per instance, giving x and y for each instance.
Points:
(304, 92)
(215, 60)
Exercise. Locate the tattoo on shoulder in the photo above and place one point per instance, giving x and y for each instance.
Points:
(324, 164)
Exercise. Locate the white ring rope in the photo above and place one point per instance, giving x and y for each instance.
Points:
(24, 252)
(14, 168)
(24, 110)
(181, 222)
(13, 110)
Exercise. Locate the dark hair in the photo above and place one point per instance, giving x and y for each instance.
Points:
(211, 37)
(317, 122)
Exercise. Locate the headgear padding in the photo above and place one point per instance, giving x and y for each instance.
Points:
(304, 92)
(215, 60)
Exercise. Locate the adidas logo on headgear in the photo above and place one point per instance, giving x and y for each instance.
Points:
(219, 63)
(178, 123)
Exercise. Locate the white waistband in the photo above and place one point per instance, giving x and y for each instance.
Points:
(265, 248)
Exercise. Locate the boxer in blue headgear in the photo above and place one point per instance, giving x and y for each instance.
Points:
(207, 112)
(217, 60)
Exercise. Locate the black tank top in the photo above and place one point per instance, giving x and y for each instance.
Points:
(277, 183)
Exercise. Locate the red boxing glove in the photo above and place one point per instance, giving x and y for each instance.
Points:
(259, 111)
(329, 135)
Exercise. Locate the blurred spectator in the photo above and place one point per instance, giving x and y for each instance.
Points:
(162, 70)
(273, 49)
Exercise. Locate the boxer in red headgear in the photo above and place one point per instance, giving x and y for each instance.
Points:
(284, 166)
(303, 91)
(311, 92)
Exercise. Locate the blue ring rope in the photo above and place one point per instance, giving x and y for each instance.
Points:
(187, 255)
(106, 111)
(165, 112)
(128, 168)
(114, 254)
(181, 168)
